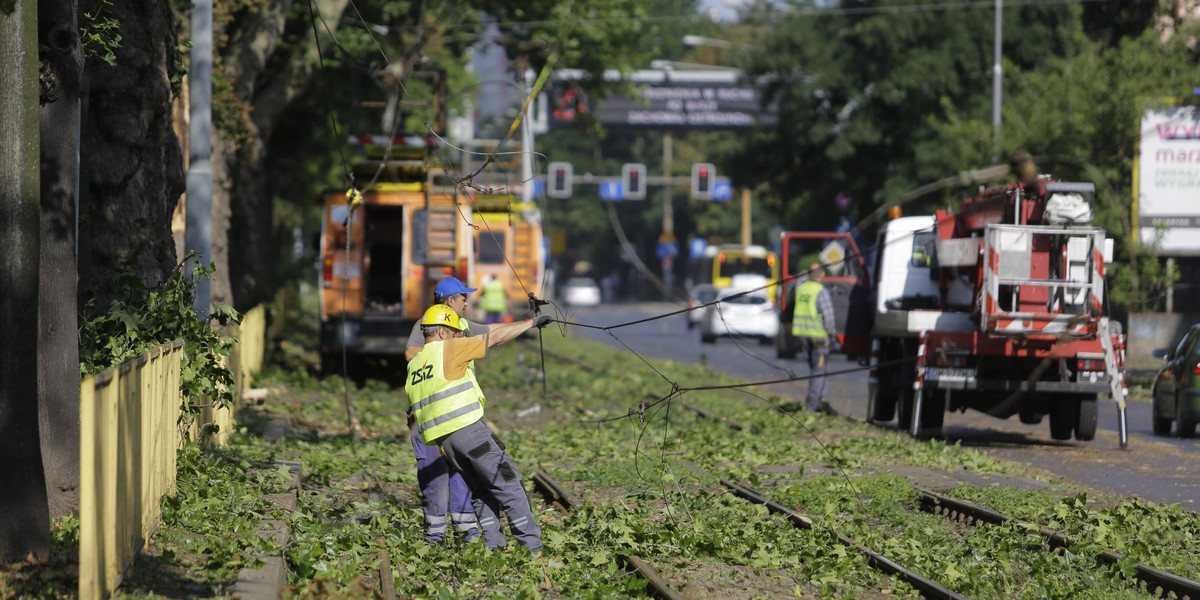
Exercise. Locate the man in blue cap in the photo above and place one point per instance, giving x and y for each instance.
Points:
(443, 488)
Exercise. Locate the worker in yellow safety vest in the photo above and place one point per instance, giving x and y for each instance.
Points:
(447, 404)
(445, 498)
(815, 329)
(494, 302)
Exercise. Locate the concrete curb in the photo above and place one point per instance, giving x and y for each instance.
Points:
(269, 580)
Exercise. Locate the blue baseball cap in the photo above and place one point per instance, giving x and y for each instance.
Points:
(451, 286)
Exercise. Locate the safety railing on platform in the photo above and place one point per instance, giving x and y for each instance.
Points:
(129, 435)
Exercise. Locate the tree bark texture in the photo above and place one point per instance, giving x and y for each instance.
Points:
(24, 517)
(133, 164)
(58, 332)
(267, 81)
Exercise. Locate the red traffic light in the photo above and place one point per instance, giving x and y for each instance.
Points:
(702, 180)
(558, 184)
(633, 181)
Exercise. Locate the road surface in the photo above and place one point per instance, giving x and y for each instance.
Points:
(1156, 468)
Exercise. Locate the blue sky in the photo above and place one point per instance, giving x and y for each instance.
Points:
(724, 8)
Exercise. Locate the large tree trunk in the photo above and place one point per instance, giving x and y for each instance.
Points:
(24, 519)
(58, 333)
(241, 186)
(133, 162)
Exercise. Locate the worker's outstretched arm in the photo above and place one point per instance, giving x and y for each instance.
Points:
(504, 332)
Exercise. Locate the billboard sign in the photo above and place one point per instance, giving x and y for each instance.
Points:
(1168, 180)
(677, 100)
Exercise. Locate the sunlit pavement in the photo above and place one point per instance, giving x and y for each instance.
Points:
(1161, 469)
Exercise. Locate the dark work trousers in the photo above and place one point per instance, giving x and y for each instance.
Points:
(442, 491)
(495, 483)
(817, 351)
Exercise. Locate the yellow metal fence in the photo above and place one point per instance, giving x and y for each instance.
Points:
(129, 435)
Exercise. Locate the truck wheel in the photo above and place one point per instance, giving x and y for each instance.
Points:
(933, 413)
(785, 346)
(1085, 422)
(1063, 412)
(904, 410)
(881, 406)
(1187, 429)
(904, 378)
(1162, 425)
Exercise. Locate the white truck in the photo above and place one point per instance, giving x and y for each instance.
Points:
(999, 308)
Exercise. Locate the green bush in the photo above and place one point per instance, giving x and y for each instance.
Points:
(141, 318)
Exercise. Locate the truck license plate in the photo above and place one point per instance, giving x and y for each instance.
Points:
(948, 374)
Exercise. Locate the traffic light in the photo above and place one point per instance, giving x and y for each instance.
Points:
(633, 181)
(703, 176)
(559, 180)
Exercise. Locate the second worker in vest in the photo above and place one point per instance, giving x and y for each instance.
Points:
(445, 499)
(494, 302)
(448, 406)
(815, 329)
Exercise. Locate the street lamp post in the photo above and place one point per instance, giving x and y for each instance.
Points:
(996, 82)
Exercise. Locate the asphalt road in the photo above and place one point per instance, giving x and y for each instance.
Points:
(1155, 468)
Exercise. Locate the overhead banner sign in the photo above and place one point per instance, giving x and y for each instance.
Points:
(668, 104)
(1168, 180)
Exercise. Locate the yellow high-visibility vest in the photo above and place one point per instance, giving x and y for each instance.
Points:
(439, 406)
(494, 298)
(806, 320)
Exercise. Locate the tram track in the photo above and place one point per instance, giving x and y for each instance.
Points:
(560, 498)
(1153, 581)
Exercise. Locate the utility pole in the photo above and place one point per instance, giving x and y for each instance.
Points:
(198, 236)
(24, 513)
(997, 80)
(668, 229)
(745, 217)
(526, 145)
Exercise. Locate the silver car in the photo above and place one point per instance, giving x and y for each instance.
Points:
(699, 296)
(746, 310)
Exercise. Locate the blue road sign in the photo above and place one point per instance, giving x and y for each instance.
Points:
(610, 191)
(722, 191)
(539, 188)
(668, 248)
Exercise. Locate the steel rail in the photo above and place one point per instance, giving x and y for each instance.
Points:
(1156, 581)
(927, 587)
(561, 498)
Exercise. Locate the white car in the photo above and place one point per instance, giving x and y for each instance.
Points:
(581, 291)
(748, 311)
(700, 295)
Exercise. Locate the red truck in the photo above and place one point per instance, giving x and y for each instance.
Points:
(998, 307)
(846, 278)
